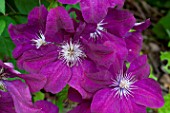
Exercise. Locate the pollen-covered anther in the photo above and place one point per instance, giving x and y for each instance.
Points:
(123, 85)
(71, 53)
(40, 40)
(99, 30)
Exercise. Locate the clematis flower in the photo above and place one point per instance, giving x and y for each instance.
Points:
(30, 37)
(67, 57)
(94, 10)
(124, 90)
(15, 95)
(117, 22)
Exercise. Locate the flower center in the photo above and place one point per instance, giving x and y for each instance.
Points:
(99, 30)
(123, 85)
(71, 53)
(40, 40)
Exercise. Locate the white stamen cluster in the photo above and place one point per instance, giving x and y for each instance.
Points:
(123, 85)
(99, 30)
(71, 53)
(40, 40)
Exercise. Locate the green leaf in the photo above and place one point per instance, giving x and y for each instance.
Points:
(76, 6)
(25, 6)
(38, 96)
(2, 26)
(152, 74)
(166, 56)
(60, 98)
(8, 20)
(166, 107)
(6, 47)
(169, 44)
(2, 6)
(53, 4)
(162, 28)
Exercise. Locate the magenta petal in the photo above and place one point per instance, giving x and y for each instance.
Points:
(58, 74)
(69, 1)
(94, 10)
(21, 96)
(75, 82)
(137, 108)
(83, 107)
(46, 106)
(105, 102)
(134, 45)
(6, 101)
(148, 93)
(33, 60)
(93, 82)
(74, 95)
(139, 67)
(142, 26)
(20, 49)
(38, 15)
(58, 19)
(129, 106)
(118, 3)
(108, 53)
(119, 22)
(35, 81)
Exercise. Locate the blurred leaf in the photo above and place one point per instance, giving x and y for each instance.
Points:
(6, 47)
(77, 6)
(166, 56)
(38, 96)
(25, 6)
(20, 19)
(60, 98)
(53, 4)
(2, 6)
(169, 44)
(7, 20)
(162, 28)
(2, 26)
(166, 107)
(160, 3)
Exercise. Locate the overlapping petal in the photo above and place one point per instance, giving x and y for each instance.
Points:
(139, 68)
(46, 107)
(148, 93)
(58, 74)
(21, 97)
(35, 81)
(58, 21)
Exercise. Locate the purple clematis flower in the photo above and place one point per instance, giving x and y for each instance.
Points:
(117, 22)
(30, 37)
(124, 90)
(94, 10)
(15, 95)
(66, 57)
(120, 23)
